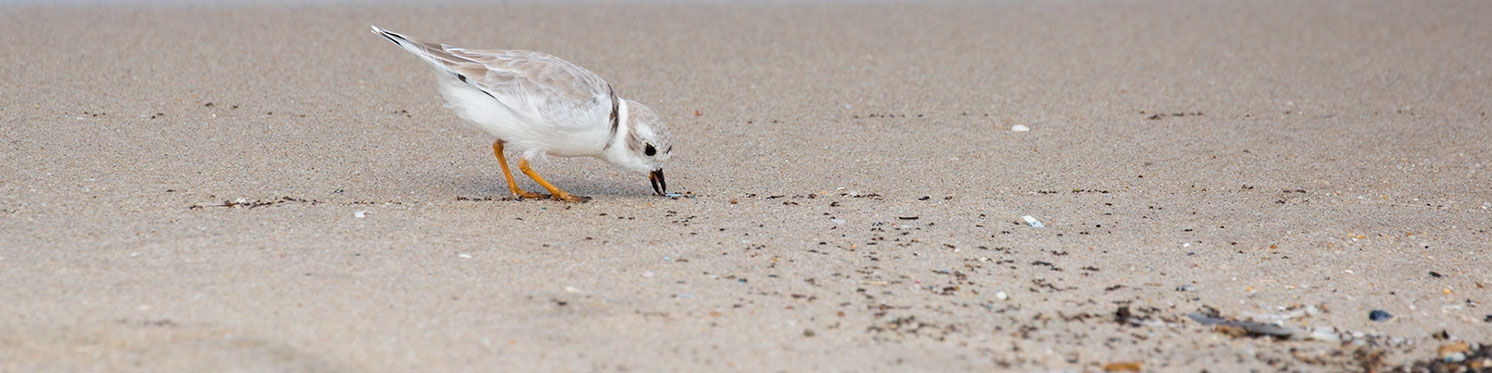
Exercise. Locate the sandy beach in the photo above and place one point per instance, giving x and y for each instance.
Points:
(273, 188)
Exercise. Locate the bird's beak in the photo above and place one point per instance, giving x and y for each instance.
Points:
(659, 186)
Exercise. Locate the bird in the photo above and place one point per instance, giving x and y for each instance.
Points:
(537, 104)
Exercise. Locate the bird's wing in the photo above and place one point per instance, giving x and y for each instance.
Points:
(541, 86)
(561, 92)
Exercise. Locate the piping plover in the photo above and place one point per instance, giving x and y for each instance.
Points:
(539, 104)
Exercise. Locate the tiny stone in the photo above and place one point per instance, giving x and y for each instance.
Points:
(1001, 295)
(1326, 334)
(647, 274)
(1033, 222)
(1380, 315)
(1312, 310)
(1020, 128)
(1187, 287)
(360, 214)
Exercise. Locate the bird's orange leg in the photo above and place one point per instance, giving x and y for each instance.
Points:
(497, 149)
(558, 194)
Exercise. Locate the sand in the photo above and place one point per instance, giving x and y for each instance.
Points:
(859, 192)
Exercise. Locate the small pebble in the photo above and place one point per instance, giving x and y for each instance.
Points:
(1456, 357)
(1033, 222)
(647, 274)
(464, 256)
(1001, 295)
(1312, 310)
(360, 214)
(1187, 287)
(1326, 334)
(1380, 315)
(1020, 128)
(1128, 366)
(837, 221)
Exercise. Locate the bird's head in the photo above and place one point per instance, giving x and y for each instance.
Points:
(643, 144)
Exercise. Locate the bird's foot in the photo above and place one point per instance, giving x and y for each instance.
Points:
(567, 197)
(526, 194)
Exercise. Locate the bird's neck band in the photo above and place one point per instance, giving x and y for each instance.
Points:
(618, 118)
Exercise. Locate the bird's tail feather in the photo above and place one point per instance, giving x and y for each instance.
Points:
(433, 53)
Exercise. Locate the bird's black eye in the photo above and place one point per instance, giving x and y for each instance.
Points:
(650, 150)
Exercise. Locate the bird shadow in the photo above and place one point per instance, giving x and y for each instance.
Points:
(493, 185)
